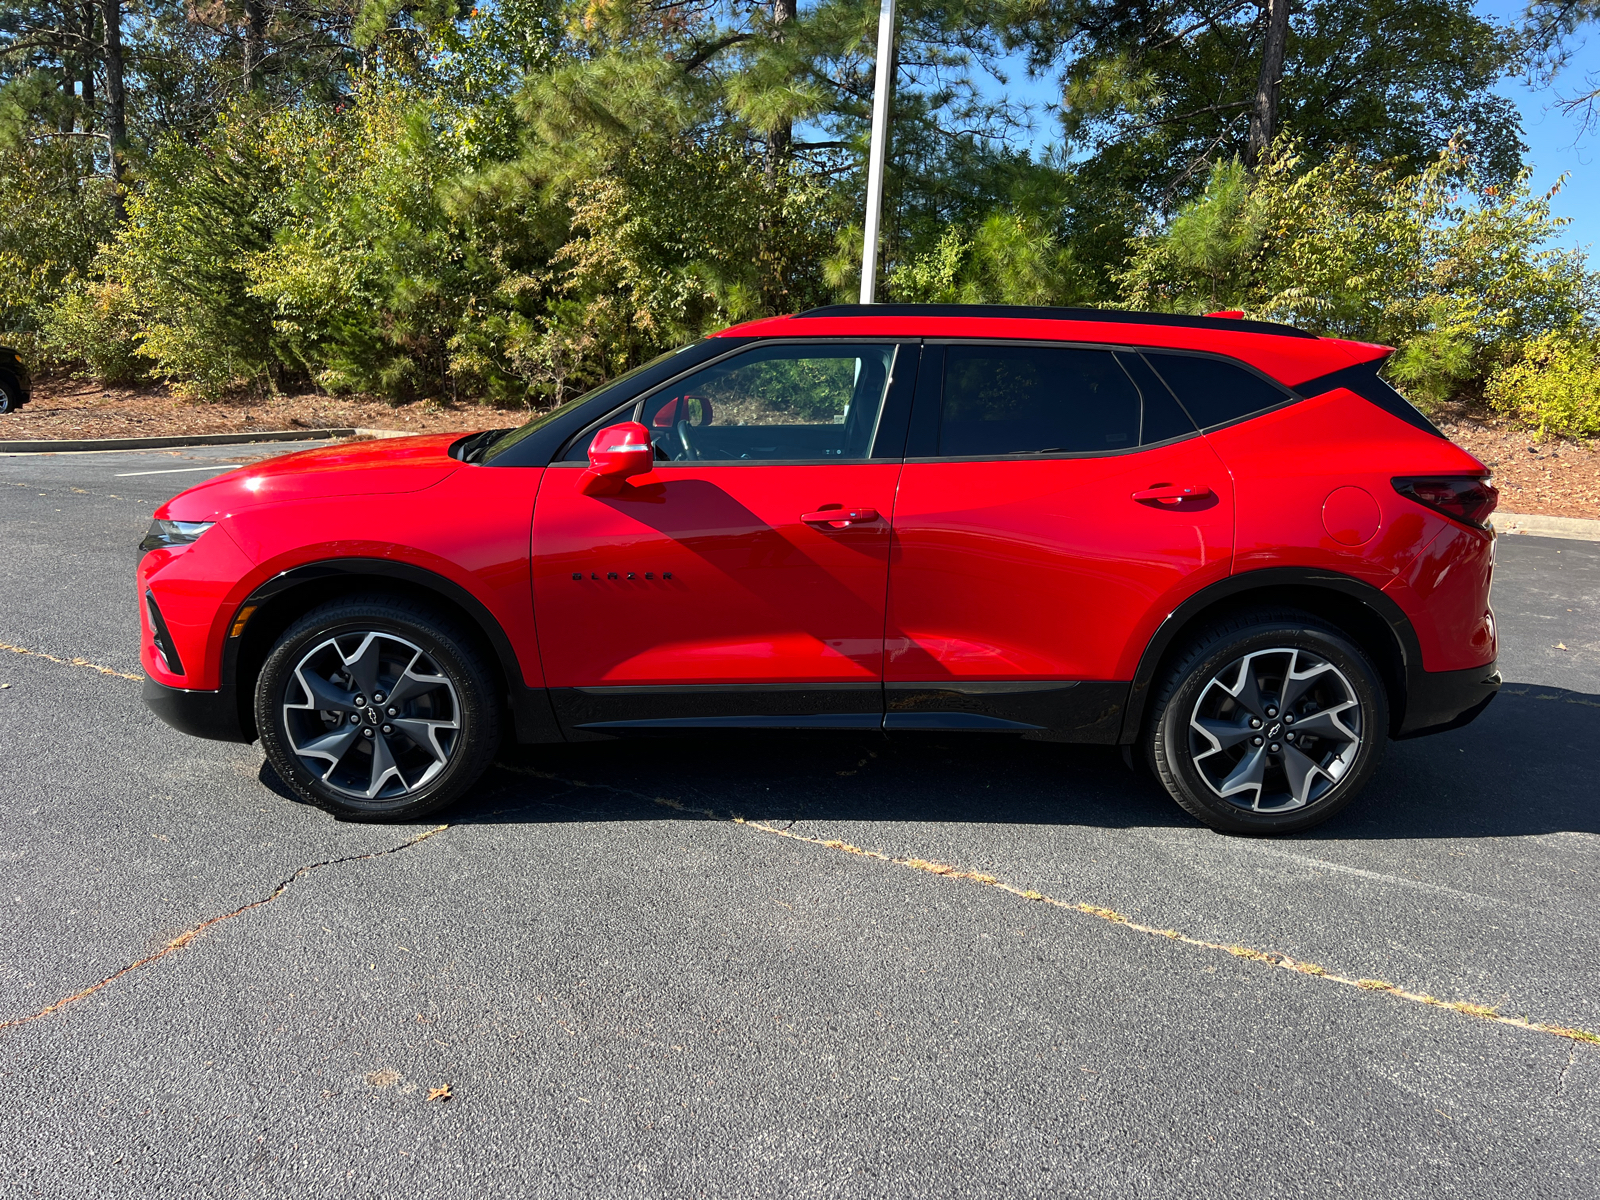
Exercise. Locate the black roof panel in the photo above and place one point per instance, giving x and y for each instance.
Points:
(1040, 313)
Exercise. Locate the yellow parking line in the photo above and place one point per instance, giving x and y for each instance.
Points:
(1282, 961)
(70, 662)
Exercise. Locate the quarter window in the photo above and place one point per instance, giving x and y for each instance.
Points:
(1003, 400)
(1215, 392)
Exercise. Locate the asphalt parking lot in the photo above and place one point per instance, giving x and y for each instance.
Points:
(915, 967)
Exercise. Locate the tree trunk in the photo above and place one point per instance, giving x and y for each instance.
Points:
(69, 77)
(90, 15)
(782, 137)
(255, 42)
(1264, 116)
(116, 101)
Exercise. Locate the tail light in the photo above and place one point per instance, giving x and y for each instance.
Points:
(1466, 498)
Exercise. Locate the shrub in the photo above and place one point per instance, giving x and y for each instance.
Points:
(1554, 386)
(53, 214)
(98, 326)
(1008, 258)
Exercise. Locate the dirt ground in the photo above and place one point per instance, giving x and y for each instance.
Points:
(69, 409)
(1551, 476)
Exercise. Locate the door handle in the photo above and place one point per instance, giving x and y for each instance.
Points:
(1171, 494)
(841, 517)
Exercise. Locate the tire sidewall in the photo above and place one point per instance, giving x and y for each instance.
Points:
(479, 728)
(1175, 766)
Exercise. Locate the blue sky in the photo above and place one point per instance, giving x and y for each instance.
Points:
(1554, 142)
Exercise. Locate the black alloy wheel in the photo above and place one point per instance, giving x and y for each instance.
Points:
(1268, 723)
(377, 709)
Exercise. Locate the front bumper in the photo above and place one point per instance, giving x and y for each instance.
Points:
(1441, 700)
(197, 713)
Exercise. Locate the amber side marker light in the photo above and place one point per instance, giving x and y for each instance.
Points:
(1465, 498)
(238, 622)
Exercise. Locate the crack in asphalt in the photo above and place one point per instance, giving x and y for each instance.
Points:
(1284, 962)
(194, 931)
(69, 662)
(1561, 1079)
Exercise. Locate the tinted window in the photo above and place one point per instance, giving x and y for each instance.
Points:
(1045, 399)
(1163, 420)
(776, 402)
(1214, 391)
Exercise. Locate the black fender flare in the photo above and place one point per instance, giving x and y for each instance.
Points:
(1407, 649)
(533, 718)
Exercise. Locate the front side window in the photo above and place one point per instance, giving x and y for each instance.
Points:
(1004, 400)
(773, 403)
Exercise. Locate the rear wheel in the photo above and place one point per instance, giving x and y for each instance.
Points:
(1268, 723)
(377, 709)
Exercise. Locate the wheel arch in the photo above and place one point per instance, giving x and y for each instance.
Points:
(286, 596)
(1372, 619)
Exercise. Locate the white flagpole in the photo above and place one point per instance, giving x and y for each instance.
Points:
(880, 143)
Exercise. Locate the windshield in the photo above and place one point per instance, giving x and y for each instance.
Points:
(504, 443)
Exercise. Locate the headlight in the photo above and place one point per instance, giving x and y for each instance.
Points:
(173, 533)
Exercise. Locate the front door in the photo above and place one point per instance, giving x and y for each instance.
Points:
(1052, 498)
(743, 580)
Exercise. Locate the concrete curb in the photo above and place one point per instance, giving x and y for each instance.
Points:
(91, 445)
(1573, 528)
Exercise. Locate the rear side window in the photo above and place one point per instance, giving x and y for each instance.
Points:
(1001, 400)
(1215, 392)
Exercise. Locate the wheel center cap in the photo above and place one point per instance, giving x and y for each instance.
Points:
(1277, 728)
(372, 716)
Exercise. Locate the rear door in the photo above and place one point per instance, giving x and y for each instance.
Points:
(1054, 499)
(742, 581)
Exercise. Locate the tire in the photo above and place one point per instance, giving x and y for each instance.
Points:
(421, 747)
(1222, 748)
(10, 400)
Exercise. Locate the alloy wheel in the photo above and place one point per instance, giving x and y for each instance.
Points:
(371, 715)
(1275, 730)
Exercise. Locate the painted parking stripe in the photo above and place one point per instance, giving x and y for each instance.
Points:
(178, 470)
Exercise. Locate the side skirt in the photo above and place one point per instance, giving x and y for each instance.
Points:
(588, 713)
(1048, 710)
(1042, 710)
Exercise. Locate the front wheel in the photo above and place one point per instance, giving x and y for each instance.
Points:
(9, 401)
(1268, 723)
(377, 709)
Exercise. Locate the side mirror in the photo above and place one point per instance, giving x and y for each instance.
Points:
(617, 454)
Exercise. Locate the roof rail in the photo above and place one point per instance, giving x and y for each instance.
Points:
(1041, 313)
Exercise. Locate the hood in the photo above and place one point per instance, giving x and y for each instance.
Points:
(379, 467)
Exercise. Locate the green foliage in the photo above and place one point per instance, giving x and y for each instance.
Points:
(1454, 272)
(369, 274)
(516, 201)
(1554, 386)
(1006, 259)
(203, 212)
(51, 219)
(98, 326)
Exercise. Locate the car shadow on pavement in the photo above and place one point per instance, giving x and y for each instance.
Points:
(1520, 769)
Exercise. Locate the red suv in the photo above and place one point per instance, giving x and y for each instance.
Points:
(1226, 546)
